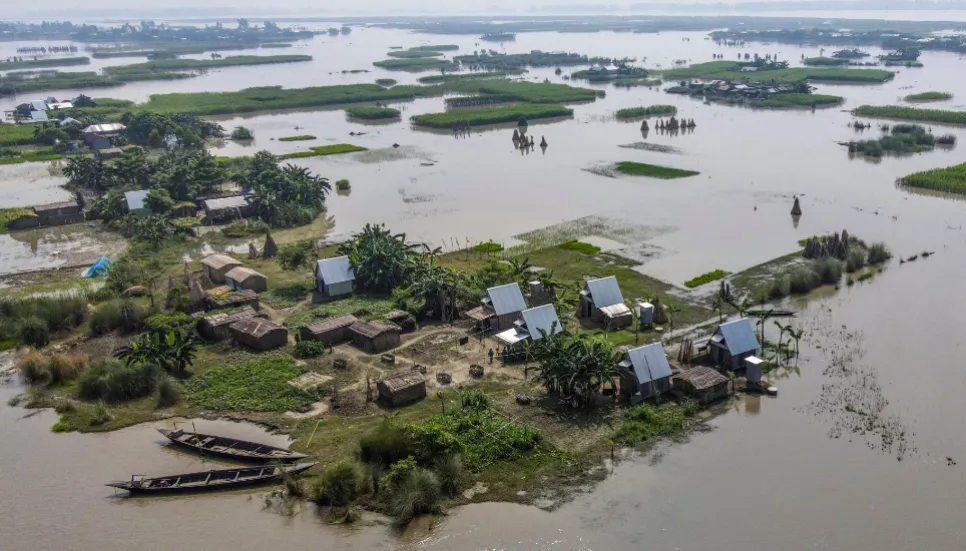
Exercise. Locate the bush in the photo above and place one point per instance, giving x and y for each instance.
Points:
(125, 273)
(385, 446)
(296, 255)
(342, 185)
(35, 332)
(338, 486)
(32, 365)
(829, 271)
(165, 323)
(580, 247)
(309, 349)
(449, 470)
(855, 260)
(169, 391)
(878, 253)
(124, 314)
(112, 381)
(398, 472)
(781, 288)
(418, 493)
(178, 298)
(474, 399)
(802, 280)
(489, 247)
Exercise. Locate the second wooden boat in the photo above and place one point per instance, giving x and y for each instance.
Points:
(229, 447)
(223, 479)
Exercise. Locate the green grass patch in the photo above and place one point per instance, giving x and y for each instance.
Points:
(463, 77)
(527, 92)
(363, 306)
(491, 115)
(950, 179)
(653, 171)
(258, 385)
(323, 150)
(40, 63)
(489, 247)
(643, 112)
(387, 82)
(793, 101)
(436, 47)
(917, 114)
(299, 138)
(727, 70)
(371, 112)
(647, 422)
(706, 278)
(469, 432)
(9, 215)
(16, 134)
(826, 61)
(168, 65)
(923, 97)
(413, 54)
(580, 247)
(275, 45)
(416, 64)
(288, 295)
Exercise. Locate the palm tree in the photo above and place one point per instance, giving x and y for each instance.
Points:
(797, 335)
(636, 316)
(763, 317)
(671, 311)
(781, 335)
(719, 306)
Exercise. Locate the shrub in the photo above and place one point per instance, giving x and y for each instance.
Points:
(338, 486)
(397, 473)
(855, 260)
(580, 247)
(418, 493)
(309, 349)
(165, 323)
(802, 280)
(169, 391)
(32, 365)
(449, 470)
(488, 247)
(178, 298)
(296, 255)
(385, 446)
(35, 332)
(878, 253)
(112, 381)
(706, 278)
(781, 287)
(121, 313)
(242, 133)
(829, 270)
(342, 185)
(64, 367)
(474, 399)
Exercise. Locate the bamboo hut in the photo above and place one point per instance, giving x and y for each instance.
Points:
(329, 331)
(259, 333)
(375, 337)
(217, 326)
(402, 389)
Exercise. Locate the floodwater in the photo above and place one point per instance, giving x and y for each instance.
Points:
(800, 471)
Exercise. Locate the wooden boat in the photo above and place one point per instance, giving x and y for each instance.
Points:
(223, 479)
(229, 447)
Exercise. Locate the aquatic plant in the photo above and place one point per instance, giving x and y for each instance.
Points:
(911, 114)
(653, 171)
(825, 61)
(242, 133)
(373, 112)
(642, 112)
(387, 82)
(923, 97)
(187, 64)
(878, 253)
(950, 179)
(490, 115)
(414, 54)
(34, 332)
(299, 138)
(646, 421)
(21, 63)
(323, 150)
(112, 381)
(462, 77)
(416, 64)
(706, 278)
(580, 247)
(855, 260)
(829, 270)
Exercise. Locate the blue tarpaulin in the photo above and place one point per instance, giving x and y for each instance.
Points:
(100, 268)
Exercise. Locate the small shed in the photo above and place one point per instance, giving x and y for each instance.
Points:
(375, 337)
(217, 266)
(102, 131)
(135, 202)
(221, 298)
(648, 371)
(223, 209)
(732, 342)
(535, 322)
(242, 278)
(329, 331)
(217, 326)
(704, 383)
(753, 369)
(601, 300)
(334, 277)
(402, 389)
(259, 334)
(505, 305)
(56, 214)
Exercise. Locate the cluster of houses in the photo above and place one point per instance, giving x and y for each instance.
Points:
(731, 90)
(35, 111)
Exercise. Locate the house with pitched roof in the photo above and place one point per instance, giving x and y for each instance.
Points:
(500, 308)
(601, 300)
(334, 277)
(647, 371)
(534, 324)
(732, 343)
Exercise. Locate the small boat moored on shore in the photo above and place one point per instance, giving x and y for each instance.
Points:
(229, 447)
(223, 479)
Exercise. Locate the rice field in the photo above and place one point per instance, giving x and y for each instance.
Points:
(950, 179)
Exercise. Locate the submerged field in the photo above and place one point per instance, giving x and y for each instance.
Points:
(899, 112)
(491, 115)
(652, 171)
(949, 180)
(793, 101)
(725, 70)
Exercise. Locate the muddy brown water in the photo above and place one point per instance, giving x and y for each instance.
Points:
(799, 471)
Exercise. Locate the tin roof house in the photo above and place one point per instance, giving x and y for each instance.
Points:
(601, 300)
(334, 277)
(732, 343)
(535, 323)
(500, 308)
(135, 202)
(648, 371)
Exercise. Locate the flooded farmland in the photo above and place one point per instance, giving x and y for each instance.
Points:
(853, 452)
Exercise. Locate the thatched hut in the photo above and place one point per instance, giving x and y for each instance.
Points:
(402, 389)
(796, 208)
(329, 331)
(216, 266)
(374, 336)
(270, 250)
(217, 326)
(241, 278)
(222, 298)
(703, 383)
(259, 333)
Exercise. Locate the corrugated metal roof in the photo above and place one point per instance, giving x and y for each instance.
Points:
(104, 128)
(541, 317)
(506, 299)
(616, 310)
(739, 336)
(605, 291)
(39, 105)
(222, 203)
(135, 199)
(335, 270)
(649, 362)
(513, 336)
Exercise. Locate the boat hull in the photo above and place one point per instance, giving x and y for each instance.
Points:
(194, 442)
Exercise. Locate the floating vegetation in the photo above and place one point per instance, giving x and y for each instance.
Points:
(634, 82)
(825, 61)
(529, 92)
(950, 179)
(413, 54)
(179, 64)
(905, 138)
(607, 75)
(706, 278)
(373, 112)
(484, 59)
(729, 70)
(300, 138)
(647, 146)
(580, 247)
(924, 97)
(490, 115)
(416, 65)
(652, 171)
(322, 150)
(460, 77)
(389, 154)
(387, 82)
(792, 101)
(477, 101)
(644, 112)
(911, 114)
